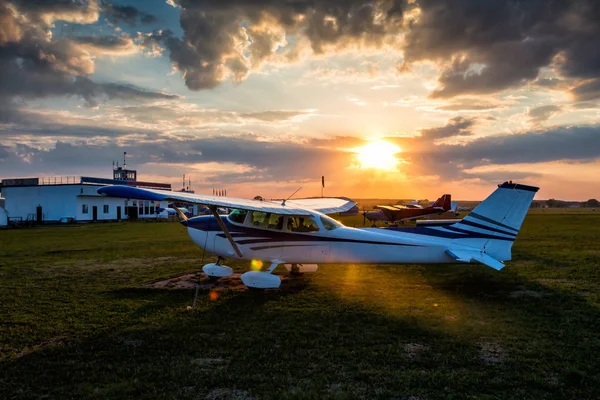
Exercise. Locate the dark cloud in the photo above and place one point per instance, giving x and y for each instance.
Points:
(542, 113)
(586, 105)
(457, 126)
(127, 14)
(34, 65)
(226, 39)
(43, 11)
(588, 90)
(564, 143)
(259, 160)
(552, 83)
(495, 45)
(267, 161)
(454, 162)
(483, 46)
(490, 71)
(106, 44)
(471, 104)
(24, 123)
(177, 114)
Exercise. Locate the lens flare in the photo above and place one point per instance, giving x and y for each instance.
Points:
(256, 265)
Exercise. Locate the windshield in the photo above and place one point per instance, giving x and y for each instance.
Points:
(238, 216)
(330, 223)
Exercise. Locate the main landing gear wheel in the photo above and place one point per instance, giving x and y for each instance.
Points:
(300, 269)
(262, 280)
(294, 270)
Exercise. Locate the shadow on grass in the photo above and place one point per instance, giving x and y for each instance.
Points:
(267, 345)
(346, 334)
(550, 333)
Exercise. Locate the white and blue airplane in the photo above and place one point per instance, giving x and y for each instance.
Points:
(298, 232)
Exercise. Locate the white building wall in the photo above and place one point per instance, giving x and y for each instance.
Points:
(99, 202)
(57, 201)
(60, 201)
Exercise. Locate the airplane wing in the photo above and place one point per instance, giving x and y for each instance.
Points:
(325, 205)
(469, 255)
(389, 211)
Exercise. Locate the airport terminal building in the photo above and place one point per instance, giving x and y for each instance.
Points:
(65, 199)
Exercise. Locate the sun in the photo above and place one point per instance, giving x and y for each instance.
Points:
(378, 154)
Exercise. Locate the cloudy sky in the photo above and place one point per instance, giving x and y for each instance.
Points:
(386, 98)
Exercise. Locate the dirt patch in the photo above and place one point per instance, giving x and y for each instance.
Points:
(491, 353)
(234, 282)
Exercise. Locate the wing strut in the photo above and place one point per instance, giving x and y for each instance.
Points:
(213, 209)
(180, 213)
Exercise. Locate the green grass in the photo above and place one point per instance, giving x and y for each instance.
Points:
(74, 322)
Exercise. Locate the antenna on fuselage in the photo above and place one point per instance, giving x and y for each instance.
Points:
(297, 190)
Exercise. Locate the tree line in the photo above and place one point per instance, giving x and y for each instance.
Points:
(553, 203)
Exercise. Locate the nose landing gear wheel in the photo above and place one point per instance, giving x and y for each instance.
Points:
(216, 270)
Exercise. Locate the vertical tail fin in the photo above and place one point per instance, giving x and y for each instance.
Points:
(443, 202)
(497, 220)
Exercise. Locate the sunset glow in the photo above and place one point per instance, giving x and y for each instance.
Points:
(384, 101)
(378, 154)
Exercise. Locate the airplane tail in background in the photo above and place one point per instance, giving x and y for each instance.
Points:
(498, 218)
(443, 202)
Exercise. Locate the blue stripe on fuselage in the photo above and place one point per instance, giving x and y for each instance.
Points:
(446, 232)
(209, 223)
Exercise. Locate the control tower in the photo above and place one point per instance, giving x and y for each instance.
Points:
(122, 173)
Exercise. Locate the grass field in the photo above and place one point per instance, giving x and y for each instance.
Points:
(75, 323)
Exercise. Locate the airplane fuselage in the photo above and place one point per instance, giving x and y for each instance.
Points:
(340, 245)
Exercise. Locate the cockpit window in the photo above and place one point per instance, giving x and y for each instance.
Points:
(329, 223)
(238, 216)
(275, 222)
(302, 224)
(259, 219)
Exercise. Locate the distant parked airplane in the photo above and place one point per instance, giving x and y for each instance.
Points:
(393, 214)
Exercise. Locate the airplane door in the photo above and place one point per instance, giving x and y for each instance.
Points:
(320, 252)
(313, 250)
(268, 240)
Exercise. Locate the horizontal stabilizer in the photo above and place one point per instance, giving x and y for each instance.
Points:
(469, 255)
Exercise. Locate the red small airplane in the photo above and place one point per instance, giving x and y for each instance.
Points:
(393, 214)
